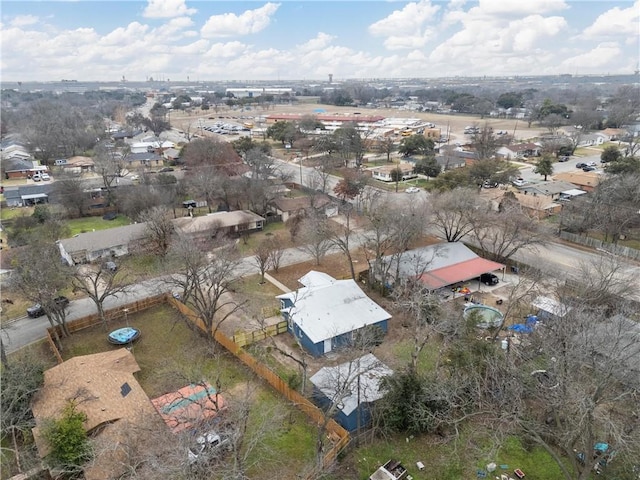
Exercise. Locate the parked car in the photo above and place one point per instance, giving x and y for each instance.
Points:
(519, 182)
(489, 279)
(412, 190)
(207, 444)
(111, 266)
(564, 158)
(581, 165)
(45, 176)
(37, 310)
(490, 184)
(36, 177)
(592, 164)
(165, 169)
(588, 168)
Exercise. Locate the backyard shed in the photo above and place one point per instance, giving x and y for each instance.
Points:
(325, 313)
(351, 388)
(550, 309)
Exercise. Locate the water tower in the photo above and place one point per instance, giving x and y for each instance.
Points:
(330, 78)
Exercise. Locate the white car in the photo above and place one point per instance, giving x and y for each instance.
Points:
(45, 176)
(591, 164)
(519, 182)
(412, 190)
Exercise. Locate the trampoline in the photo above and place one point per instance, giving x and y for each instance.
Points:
(125, 335)
(487, 317)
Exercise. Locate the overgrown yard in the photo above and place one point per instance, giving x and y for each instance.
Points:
(172, 355)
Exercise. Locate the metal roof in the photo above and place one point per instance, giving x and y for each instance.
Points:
(329, 310)
(340, 383)
(442, 264)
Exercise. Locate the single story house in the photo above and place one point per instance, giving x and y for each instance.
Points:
(122, 134)
(27, 195)
(384, 173)
(103, 387)
(586, 181)
(235, 222)
(142, 159)
(113, 242)
(77, 164)
(350, 388)
(16, 167)
(571, 193)
(550, 309)
(326, 313)
(519, 150)
(150, 146)
(551, 189)
(187, 407)
(538, 206)
(436, 266)
(293, 207)
(171, 155)
(451, 159)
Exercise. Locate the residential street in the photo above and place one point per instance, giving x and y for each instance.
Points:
(559, 259)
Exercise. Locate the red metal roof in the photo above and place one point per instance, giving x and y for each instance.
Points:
(459, 272)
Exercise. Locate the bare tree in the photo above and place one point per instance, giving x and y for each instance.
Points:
(262, 256)
(69, 191)
(453, 212)
(343, 234)
(316, 236)
(502, 234)
(205, 282)
(40, 275)
(581, 392)
(276, 252)
(108, 165)
(100, 283)
(159, 228)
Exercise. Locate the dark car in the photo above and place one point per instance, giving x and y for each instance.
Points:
(581, 165)
(165, 169)
(489, 279)
(564, 158)
(588, 168)
(38, 310)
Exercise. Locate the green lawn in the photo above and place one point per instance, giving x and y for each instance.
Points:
(89, 224)
(444, 462)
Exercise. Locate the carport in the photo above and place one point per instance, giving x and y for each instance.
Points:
(439, 265)
(459, 272)
(34, 198)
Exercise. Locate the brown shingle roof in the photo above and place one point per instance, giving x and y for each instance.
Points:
(300, 203)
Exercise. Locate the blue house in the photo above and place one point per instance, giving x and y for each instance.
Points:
(349, 389)
(325, 313)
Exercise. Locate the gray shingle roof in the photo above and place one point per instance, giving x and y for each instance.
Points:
(104, 239)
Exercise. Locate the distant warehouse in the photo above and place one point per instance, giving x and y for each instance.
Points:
(258, 92)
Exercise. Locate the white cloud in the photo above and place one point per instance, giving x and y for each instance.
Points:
(322, 40)
(24, 20)
(595, 59)
(125, 36)
(521, 7)
(248, 22)
(406, 28)
(167, 9)
(617, 21)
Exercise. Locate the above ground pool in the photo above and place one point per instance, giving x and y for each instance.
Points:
(125, 335)
(488, 317)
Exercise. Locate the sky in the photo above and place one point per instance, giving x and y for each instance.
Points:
(181, 40)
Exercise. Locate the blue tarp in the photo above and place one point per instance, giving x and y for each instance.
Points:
(520, 328)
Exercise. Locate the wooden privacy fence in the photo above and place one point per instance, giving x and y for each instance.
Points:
(242, 339)
(93, 319)
(338, 435)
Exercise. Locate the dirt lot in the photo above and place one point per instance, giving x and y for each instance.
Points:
(455, 123)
